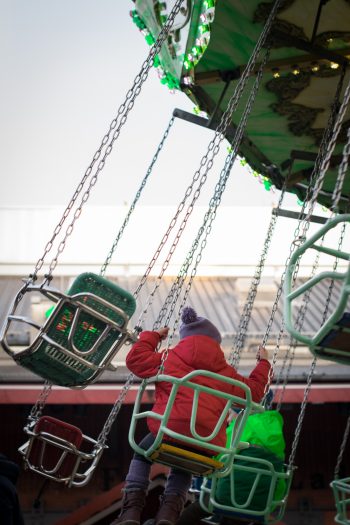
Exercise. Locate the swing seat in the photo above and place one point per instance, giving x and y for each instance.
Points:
(197, 464)
(181, 453)
(59, 451)
(335, 346)
(341, 491)
(330, 340)
(82, 334)
(256, 489)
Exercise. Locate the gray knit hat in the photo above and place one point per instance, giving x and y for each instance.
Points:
(192, 324)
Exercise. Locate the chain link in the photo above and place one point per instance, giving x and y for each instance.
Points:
(208, 161)
(37, 409)
(137, 196)
(102, 438)
(341, 174)
(290, 354)
(302, 412)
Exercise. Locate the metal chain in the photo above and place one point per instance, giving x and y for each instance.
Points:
(37, 409)
(239, 340)
(297, 239)
(341, 174)
(342, 449)
(102, 438)
(302, 412)
(200, 241)
(108, 140)
(137, 196)
(290, 354)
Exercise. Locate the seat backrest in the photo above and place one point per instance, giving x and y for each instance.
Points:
(195, 439)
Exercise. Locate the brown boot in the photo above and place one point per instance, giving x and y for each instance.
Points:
(170, 509)
(133, 503)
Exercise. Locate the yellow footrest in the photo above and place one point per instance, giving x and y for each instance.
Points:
(197, 464)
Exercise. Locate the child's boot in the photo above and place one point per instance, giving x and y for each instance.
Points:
(170, 509)
(132, 506)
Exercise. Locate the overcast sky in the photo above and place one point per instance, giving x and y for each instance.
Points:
(66, 67)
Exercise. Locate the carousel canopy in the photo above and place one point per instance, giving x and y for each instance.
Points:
(206, 54)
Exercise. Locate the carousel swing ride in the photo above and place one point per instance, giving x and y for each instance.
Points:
(266, 75)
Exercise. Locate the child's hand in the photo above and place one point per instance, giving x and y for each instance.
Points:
(163, 332)
(262, 353)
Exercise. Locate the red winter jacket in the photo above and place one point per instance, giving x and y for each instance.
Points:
(197, 352)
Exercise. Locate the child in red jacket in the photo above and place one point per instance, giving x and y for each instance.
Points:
(198, 349)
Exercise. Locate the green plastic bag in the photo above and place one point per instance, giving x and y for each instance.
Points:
(265, 430)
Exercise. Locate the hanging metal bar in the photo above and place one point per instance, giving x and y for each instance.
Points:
(296, 215)
(317, 19)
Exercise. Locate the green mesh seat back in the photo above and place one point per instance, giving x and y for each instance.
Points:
(110, 292)
(52, 364)
(243, 480)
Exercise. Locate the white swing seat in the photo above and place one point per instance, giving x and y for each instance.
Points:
(341, 491)
(178, 454)
(60, 452)
(82, 334)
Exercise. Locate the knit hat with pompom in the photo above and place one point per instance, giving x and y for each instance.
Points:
(192, 324)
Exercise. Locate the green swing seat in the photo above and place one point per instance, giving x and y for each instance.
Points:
(82, 334)
(341, 491)
(256, 489)
(185, 452)
(332, 340)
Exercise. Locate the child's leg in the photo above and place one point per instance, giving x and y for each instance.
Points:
(135, 488)
(174, 497)
(178, 482)
(138, 475)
